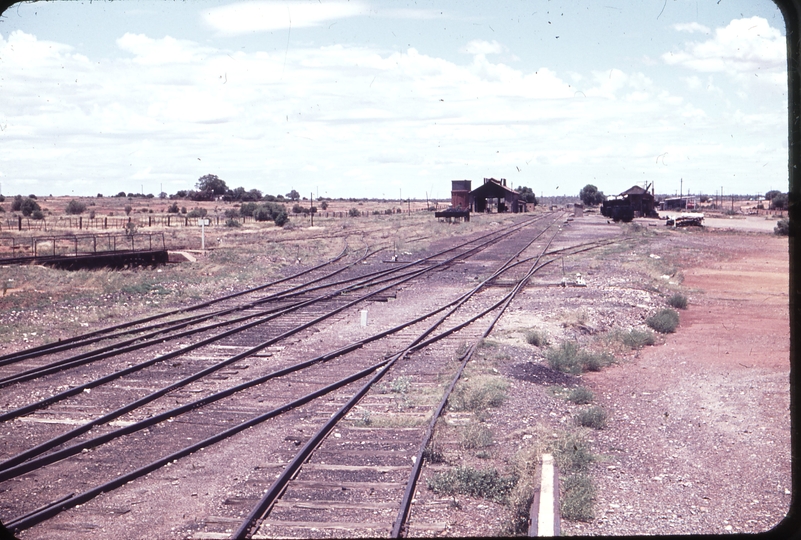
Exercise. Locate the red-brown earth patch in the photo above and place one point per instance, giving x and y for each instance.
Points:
(698, 439)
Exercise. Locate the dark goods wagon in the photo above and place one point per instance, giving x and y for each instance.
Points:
(617, 210)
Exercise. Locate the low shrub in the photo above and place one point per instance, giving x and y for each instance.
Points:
(75, 207)
(537, 338)
(678, 301)
(231, 222)
(664, 321)
(570, 359)
(478, 393)
(593, 417)
(578, 496)
(637, 339)
(487, 483)
(581, 395)
(782, 227)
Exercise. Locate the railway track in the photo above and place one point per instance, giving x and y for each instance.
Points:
(327, 399)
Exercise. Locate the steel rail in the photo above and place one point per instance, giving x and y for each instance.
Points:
(84, 359)
(363, 281)
(43, 447)
(140, 342)
(398, 527)
(278, 486)
(187, 348)
(17, 465)
(55, 508)
(67, 344)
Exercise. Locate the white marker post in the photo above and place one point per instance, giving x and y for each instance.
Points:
(203, 222)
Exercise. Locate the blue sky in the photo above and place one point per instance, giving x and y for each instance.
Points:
(367, 98)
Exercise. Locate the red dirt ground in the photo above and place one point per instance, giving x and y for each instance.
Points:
(699, 434)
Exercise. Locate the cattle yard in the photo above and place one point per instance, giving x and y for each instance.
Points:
(397, 376)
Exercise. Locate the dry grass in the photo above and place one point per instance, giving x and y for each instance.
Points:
(478, 393)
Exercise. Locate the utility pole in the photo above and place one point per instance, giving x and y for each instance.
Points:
(311, 208)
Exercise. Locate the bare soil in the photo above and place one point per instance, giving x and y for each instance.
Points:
(699, 435)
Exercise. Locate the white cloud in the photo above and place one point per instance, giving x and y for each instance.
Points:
(691, 28)
(744, 46)
(167, 50)
(478, 46)
(337, 114)
(246, 17)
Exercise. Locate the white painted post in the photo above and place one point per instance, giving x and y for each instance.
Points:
(545, 517)
(364, 317)
(203, 222)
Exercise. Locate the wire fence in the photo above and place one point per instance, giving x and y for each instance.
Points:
(20, 223)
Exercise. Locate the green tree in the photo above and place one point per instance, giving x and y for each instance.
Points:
(527, 194)
(293, 195)
(779, 202)
(209, 186)
(29, 206)
(271, 212)
(590, 195)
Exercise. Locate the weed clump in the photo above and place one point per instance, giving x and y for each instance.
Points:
(678, 301)
(571, 453)
(593, 417)
(664, 321)
(432, 455)
(581, 395)
(637, 339)
(577, 498)
(478, 393)
(487, 483)
(524, 465)
(477, 436)
(570, 359)
(400, 385)
(537, 338)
